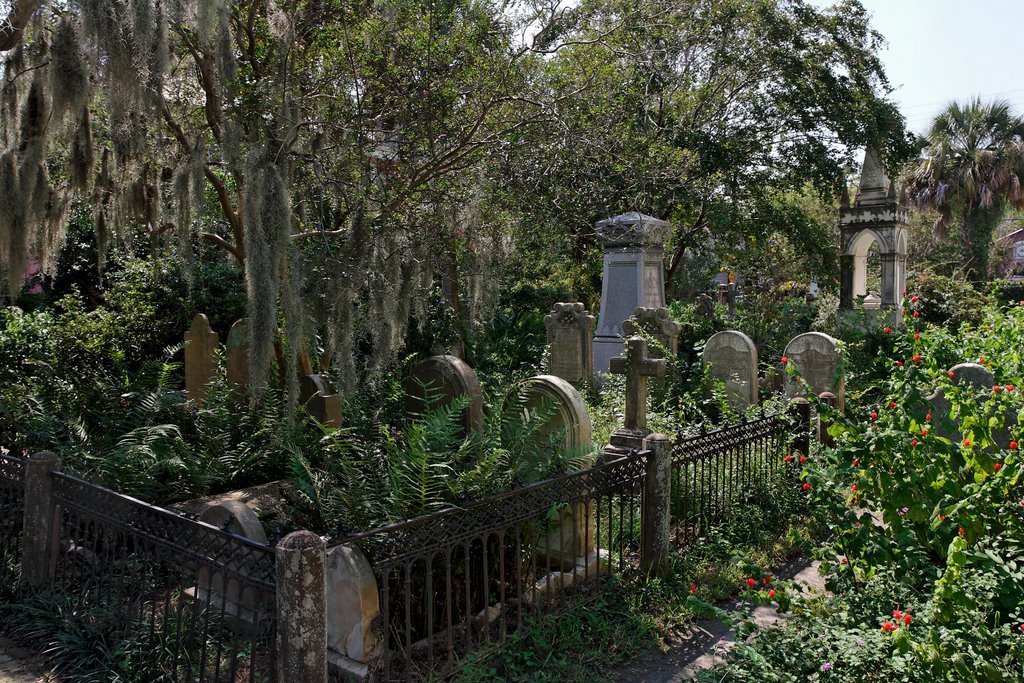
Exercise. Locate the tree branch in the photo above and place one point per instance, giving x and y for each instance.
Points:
(14, 25)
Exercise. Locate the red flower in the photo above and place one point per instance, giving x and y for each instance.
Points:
(803, 459)
(874, 415)
(766, 580)
(844, 561)
(788, 458)
(771, 593)
(951, 374)
(917, 314)
(888, 627)
(784, 360)
(798, 378)
(996, 389)
(982, 360)
(913, 442)
(897, 615)
(751, 582)
(907, 619)
(960, 531)
(997, 466)
(917, 358)
(807, 487)
(853, 487)
(924, 432)
(928, 417)
(854, 463)
(913, 299)
(899, 364)
(917, 335)
(892, 404)
(693, 588)
(888, 330)
(967, 442)
(942, 518)
(1013, 445)
(1009, 387)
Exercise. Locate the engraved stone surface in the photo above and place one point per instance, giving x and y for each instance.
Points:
(816, 358)
(445, 378)
(200, 344)
(570, 417)
(732, 358)
(570, 330)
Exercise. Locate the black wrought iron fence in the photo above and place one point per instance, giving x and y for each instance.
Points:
(12, 498)
(713, 471)
(185, 601)
(452, 580)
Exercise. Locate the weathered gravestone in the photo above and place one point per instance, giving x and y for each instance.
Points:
(322, 405)
(570, 331)
(657, 324)
(706, 306)
(572, 541)
(978, 378)
(223, 589)
(200, 344)
(816, 358)
(442, 379)
(633, 276)
(732, 358)
(354, 631)
(637, 367)
(238, 354)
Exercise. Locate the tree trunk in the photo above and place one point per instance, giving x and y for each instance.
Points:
(976, 228)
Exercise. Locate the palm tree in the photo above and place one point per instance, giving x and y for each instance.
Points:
(971, 164)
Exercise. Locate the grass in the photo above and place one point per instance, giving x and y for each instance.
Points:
(631, 616)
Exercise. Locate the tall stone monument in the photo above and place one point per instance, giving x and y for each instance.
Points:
(570, 331)
(876, 216)
(633, 277)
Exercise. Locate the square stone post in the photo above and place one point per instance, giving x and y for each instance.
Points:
(302, 608)
(41, 521)
(655, 519)
(800, 408)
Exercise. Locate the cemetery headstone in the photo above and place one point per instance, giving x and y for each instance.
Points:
(570, 331)
(238, 354)
(816, 357)
(200, 344)
(637, 367)
(574, 535)
(633, 276)
(319, 402)
(353, 610)
(733, 295)
(221, 588)
(706, 306)
(445, 378)
(658, 324)
(978, 378)
(732, 357)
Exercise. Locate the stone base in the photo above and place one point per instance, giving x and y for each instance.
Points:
(628, 439)
(244, 619)
(341, 668)
(606, 348)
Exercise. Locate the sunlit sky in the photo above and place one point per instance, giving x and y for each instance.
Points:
(942, 50)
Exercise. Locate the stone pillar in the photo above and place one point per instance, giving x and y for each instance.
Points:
(890, 293)
(846, 267)
(301, 608)
(829, 399)
(800, 409)
(656, 517)
(633, 277)
(41, 521)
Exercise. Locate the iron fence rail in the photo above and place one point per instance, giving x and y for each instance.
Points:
(454, 579)
(713, 471)
(188, 601)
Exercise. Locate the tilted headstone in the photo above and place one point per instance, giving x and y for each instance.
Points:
(816, 357)
(222, 589)
(570, 331)
(633, 276)
(445, 378)
(732, 358)
(200, 344)
(574, 535)
(322, 405)
(982, 380)
(238, 354)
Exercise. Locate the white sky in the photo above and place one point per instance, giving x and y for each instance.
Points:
(942, 50)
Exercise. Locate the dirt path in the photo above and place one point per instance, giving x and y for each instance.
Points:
(700, 647)
(17, 665)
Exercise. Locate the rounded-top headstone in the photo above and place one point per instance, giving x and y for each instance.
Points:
(235, 518)
(732, 356)
(445, 378)
(816, 357)
(973, 374)
(570, 418)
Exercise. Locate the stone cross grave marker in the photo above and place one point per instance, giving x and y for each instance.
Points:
(637, 368)
(656, 324)
(732, 357)
(816, 358)
(320, 403)
(238, 354)
(445, 378)
(200, 344)
(570, 331)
